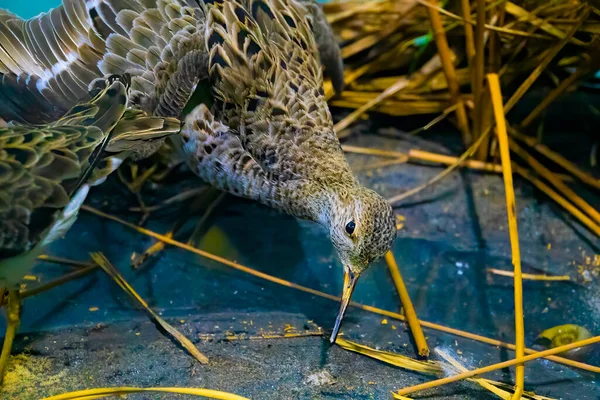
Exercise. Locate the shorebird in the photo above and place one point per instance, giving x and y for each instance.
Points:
(46, 172)
(263, 130)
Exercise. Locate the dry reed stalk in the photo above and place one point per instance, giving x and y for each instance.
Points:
(511, 208)
(371, 40)
(395, 108)
(554, 195)
(519, 12)
(500, 389)
(305, 289)
(360, 8)
(542, 66)
(530, 277)
(557, 158)
(382, 164)
(450, 160)
(398, 360)
(469, 38)
(424, 73)
(102, 393)
(111, 271)
(557, 183)
(441, 175)
(495, 367)
(477, 83)
(409, 309)
(439, 35)
(64, 261)
(585, 67)
(420, 155)
(79, 273)
(496, 42)
(489, 27)
(560, 89)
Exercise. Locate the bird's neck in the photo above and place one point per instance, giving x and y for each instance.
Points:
(309, 199)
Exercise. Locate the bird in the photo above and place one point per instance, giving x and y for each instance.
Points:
(269, 136)
(46, 172)
(262, 129)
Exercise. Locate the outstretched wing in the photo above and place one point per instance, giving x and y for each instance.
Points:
(44, 168)
(41, 167)
(54, 57)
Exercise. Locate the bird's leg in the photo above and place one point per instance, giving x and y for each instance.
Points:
(191, 208)
(12, 325)
(136, 184)
(201, 225)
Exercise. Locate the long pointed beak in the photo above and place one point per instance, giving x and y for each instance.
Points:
(350, 279)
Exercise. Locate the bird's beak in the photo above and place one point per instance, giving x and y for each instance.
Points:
(350, 279)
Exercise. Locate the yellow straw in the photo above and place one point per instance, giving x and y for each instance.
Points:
(494, 367)
(511, 209)
(103, 392)
(409, 310)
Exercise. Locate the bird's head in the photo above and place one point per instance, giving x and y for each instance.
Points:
(362, 228)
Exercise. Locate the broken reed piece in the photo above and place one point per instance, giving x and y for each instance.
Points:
(111, 271)
(511, 209)
(409, 310)
(530, 277)
(557, 158)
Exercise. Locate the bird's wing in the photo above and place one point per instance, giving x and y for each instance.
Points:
(160, 43)
(267, 79)
(45, 170)
(57, 55)
(53, 56)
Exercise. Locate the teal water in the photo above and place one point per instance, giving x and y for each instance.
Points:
(27, 9)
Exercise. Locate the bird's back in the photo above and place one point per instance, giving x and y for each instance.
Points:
(266, 76)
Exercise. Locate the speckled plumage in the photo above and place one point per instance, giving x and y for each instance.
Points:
(46, 170)
(271, 137)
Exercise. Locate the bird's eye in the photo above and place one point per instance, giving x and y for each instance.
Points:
(350, 226)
